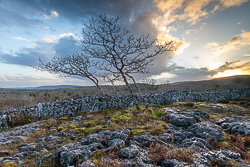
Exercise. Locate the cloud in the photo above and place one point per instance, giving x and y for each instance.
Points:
(76, 10)
(21, 38)
(234, 40)
(184, 11)
(237, 42)
(192, 11)
(239, 65)
(189, 31)
(179, 73)
(246, 55)
(231, 3)
(3, 78)
(139, 16)
(34, 80)
(52, 14)
(45, 49)
(66, 46)
(233, 68)
(13, 18)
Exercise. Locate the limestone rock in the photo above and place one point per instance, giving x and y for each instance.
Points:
(207, 130)
(116, 142)
(87, 164)
(225, 120)
(241, 127)
(143, 139)
(203, 158)
(44, 158)
(196, 143)
(27, 147)
(69, 154)
(49, 139)
(172, 163)
(185, 118)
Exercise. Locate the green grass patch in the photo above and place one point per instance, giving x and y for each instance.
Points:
(135, 131)
(223, 143)
(158, 114)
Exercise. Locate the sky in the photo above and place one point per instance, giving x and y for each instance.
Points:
(212, 37)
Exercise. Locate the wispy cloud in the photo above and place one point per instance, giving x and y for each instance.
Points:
(13, 18)
(237, 42)
(3, 78)
(21, 38)
(230, 3)
(189, 31)
(52, 14)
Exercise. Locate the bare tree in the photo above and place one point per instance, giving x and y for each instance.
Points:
(78, 65)
(119, 53)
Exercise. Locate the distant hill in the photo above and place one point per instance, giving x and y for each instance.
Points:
(50, 87)
(232, 82)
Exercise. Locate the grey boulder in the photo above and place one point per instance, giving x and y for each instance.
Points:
(172, 163)
(207, 130)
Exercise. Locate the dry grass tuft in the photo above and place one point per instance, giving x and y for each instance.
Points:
(237, 143)
(221, 163)
(159, 153)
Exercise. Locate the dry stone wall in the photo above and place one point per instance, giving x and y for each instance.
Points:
(96, 103)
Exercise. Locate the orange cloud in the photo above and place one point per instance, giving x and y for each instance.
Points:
(233, 68)
(235, 43)
(194, 11)
(166, 5)
(170, 11)
(191, 11)
(230, 3)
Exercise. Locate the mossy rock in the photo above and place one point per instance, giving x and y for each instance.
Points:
(159, 114)
(135, 131)
(64, 118)
(80, 130)
(121, 118)
(223, 143)
(139, 107)
(91, 130)
(46, 117)
(157, 130)
(88, 124)
(10, 164)
(3, 153)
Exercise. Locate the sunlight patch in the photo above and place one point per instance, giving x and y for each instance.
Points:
(229, 73)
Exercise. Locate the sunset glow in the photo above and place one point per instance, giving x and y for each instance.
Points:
(229, 73)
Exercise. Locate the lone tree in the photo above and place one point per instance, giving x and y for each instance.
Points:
(113, 51)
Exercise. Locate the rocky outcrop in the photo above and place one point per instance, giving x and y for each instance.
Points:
(235, 125)
(203, 158)
(184, 130)
(185, 118)
(207, 130)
